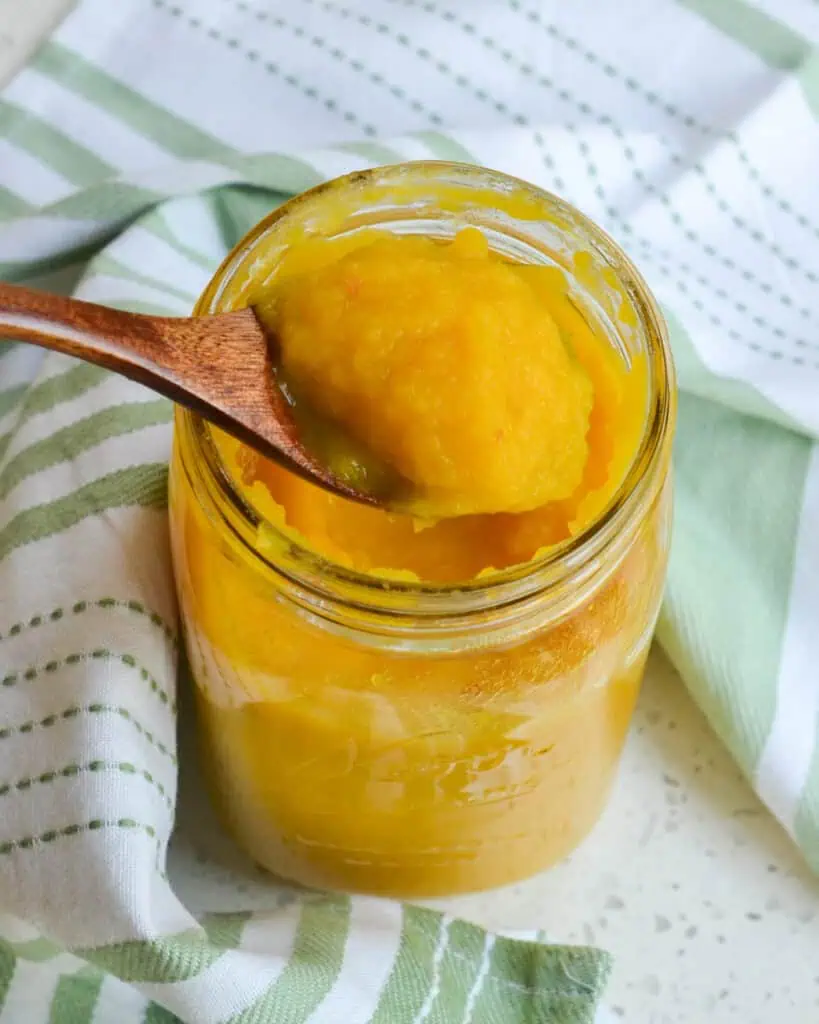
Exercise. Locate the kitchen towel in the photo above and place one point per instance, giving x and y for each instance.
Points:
(136, 146)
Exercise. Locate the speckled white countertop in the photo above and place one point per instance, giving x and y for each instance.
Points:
(23, 24)
(687, 880)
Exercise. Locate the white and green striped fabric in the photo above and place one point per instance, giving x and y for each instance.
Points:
(140, 143)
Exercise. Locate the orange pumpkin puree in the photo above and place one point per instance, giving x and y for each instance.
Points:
(478, 380)
(485, 385)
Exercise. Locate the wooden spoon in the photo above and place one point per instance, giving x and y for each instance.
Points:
(219, 366)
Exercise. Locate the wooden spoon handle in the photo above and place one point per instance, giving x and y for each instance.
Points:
(182, 358)
(220, 370)
(129, 343)
(218, 366)
(66, 325)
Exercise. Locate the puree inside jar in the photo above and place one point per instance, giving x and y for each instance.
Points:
(405, 761)
(443, 366)
(476, 384)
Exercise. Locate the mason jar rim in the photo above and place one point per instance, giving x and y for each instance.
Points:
(332, 591)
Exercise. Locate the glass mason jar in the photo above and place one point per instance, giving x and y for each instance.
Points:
(395, 736)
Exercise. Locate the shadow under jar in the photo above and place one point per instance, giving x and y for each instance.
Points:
(391, 736)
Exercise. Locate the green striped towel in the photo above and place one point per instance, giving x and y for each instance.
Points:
(125, 175)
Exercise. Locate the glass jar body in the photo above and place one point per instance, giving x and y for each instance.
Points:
(339, 764)
(376, 736)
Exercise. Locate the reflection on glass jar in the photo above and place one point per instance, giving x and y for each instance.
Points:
(373, 732)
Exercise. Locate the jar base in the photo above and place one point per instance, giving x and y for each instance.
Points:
(403, 880)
